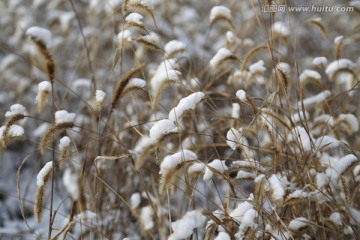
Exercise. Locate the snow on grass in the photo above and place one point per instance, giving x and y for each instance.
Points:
(15, 109)
(170, 162)
(241, 94)
(235, 111)
(14, 131)
(196, 167)
(184, 227)
(315, 100)
(242, 208)
(185, 104)
(308, 75)
(135, 200)
(222, 236)
(217, 165)
(63, 116)
(134, 18)
(351, 120)
(165, 71)
(220, 12)
(320, 61)
(45, 86)
(144, 143)
(136, 83)
(248, 222)
(124, 36)
(278, 191)
(257, 68)
(337, 65)
(221, 55)
(335, 217)
(64, 143)
(326, 142)
(71, 183)
(40, 34)
(280, 28)
(173, 47)
(300, 116)
(100, 96)
(146, 217)
(299, 135)
(40, 179)
(339, 167)
(298, 223)
(233, 137)
(163, 128)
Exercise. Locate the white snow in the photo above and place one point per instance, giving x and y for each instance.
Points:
(233, 137)
(172, 161)
(151, 38)
(351, 120)
(278, 191)
(217, 165)
(43, 173)
(321, 180)
(241, 94)
(326, 142)
(220, 12)
(45, 86)
(135, 200)
(297, 194)
(315, 100)
(325, 118)
(63, 116)
(144, 143)
(71, 183)
(242, 208)
(14, 131)
(196, 167)
(163, 128)
(230, 37)
(284, 67)
(100, 96)
(173, 47)
(339, 167)
(248, 222)
(64, 143)
(185, 104)
(300, 116)
(320, 61)
(235, 111)
(134, 18)
(221, 55)
(309, 74)
(337, 65)
(300, 136)
(136, 83)
(280, 28)
(257, 68)
(15, 110)
(184, 227)
(338, 39)
(222, 236)
(146, 217)
(166, 75)
(335, 217)
(40, 34)
(124, 36)
(245, 175)
(298, 223)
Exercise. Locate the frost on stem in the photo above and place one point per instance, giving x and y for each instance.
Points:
(184, 227)
(41, 181)
(185, 104)
(64, 150)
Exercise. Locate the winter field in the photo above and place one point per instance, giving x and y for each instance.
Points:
(179, 119)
